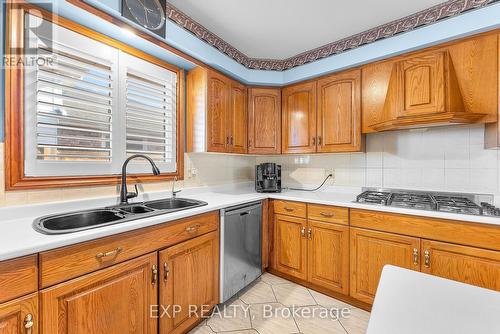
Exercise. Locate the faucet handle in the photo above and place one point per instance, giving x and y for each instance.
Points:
(133, 194)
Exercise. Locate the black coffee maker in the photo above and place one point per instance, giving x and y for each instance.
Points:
(268, 178)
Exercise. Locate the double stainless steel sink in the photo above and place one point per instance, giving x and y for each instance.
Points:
(89, 219)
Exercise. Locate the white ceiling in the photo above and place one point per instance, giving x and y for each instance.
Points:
(278, 29)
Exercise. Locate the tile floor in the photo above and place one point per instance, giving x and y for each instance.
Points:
(294, 309)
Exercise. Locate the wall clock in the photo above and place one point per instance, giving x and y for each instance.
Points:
(149, 14)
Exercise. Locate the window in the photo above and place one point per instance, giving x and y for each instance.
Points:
(87, 107)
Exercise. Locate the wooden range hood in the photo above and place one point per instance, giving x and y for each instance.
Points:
(423, 91)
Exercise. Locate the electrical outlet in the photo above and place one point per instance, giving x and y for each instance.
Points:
(330, 171)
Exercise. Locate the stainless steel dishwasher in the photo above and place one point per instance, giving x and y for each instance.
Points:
(241, 248)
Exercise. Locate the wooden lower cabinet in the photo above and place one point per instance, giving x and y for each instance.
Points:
(469, 265)
(114, 300)
(370, 251)
(311, 250)
(290, 246)
(20, 316)
(328, 256)
(189, 281)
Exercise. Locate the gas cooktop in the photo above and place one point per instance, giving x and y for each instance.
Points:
(469, 204)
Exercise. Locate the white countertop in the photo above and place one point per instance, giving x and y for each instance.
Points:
(411, 302)
(18, 238)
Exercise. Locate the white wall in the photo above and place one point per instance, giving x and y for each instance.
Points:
(447, 159)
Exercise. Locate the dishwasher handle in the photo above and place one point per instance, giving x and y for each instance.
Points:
(242, 210)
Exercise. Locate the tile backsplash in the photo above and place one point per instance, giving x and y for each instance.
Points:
(445, 159)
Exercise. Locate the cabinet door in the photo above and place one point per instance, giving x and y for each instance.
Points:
(339, 112)
(298, 118)
(461, 263)
(371, 251)
(218, 96)
(421, 85)
(189, 281)
(20, 316)
(328, 256)
(264, 121)
(290, 246)
(237, 119)
(114, 300)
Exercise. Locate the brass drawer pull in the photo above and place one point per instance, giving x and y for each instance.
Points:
(303, 232)
(427, 259)
(415, 256)
(309, 233)
(28, 323)
(288, 209)
(193, 228)
(166, 271)
(154, 274)
(113, 253)
(326, 214)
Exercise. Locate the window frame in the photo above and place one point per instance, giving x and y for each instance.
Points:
(15, 178)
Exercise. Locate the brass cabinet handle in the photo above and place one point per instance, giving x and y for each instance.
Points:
(231, 140)
(193, 228)
(28, 323)
(319, 140)
(303, 232)
(288, 209)
(415, 256)
(112, 253)
(314, 140)
(427, 259)
(309, 233)
(249, 142)
(154, 274)
(227, 140)
(166, 271)
(326, 214)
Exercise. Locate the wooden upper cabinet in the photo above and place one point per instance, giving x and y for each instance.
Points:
(216, 113)
(339, 112)
(218, 105)
(20, 316)
(461, 263)
(264, 120)
(189, 278)
(290, 246)
(328, 256)
(370, 251)
(108, 301)
(298, 118)
(237, 119)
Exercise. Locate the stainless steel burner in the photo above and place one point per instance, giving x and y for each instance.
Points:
(433, 201)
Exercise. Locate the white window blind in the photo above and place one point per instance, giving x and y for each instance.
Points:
(150, 110)
(92, 105)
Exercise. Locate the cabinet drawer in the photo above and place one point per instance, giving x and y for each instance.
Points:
(326, 213)
(296, 209)
(18, 277)
(68, 262)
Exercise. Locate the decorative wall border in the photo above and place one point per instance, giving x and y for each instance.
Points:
(405, 24)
